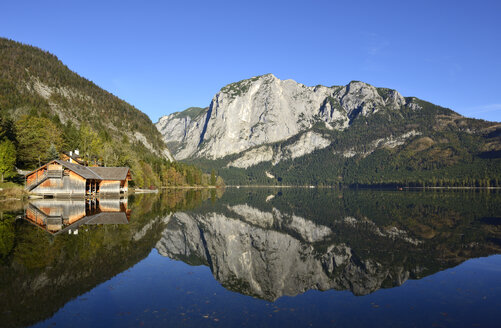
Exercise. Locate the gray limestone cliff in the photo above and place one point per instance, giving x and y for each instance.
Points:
(270, 254)
(265, 110)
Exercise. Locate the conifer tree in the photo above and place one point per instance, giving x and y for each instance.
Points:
(7, 158)
(52, 153)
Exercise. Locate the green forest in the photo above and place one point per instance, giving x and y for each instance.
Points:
(46, 109)
(446, 150)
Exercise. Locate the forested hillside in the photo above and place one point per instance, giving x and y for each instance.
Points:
(435, 156)
(352, 135)
(46, 109)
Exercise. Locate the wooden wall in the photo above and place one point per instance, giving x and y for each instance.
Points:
(70, 185)
(110, 205)
(109, 187)
(34, 176)
(34, 216)
(54, 166)
(71, 210)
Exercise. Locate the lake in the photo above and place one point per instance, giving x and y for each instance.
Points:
(254, 258)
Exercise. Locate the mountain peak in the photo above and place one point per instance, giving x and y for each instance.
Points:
(268, 75)
(264, 109)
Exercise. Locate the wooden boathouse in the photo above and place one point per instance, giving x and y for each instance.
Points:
(58, 178)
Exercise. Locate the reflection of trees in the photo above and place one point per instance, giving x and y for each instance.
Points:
(6, 235)
(39, 273)
(360, 241)
(183, 199)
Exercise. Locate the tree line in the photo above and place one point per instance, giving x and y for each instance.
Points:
(32, 140)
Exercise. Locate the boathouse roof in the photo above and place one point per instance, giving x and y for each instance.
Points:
(94, 173)
(110, 173)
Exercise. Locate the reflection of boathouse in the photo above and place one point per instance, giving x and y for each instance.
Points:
(57, 216)
(64, 179)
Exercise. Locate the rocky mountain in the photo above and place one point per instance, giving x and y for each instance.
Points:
(265, 110)
(35, 82)
(259, 129)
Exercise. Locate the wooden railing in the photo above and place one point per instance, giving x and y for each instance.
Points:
(40, 218)
(57, 174)
(39, 178)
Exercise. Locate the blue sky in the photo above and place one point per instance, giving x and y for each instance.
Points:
(165, 56)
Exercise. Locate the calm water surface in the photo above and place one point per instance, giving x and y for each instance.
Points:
(254, 257)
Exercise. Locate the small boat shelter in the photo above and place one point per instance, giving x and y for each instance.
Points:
(59, 178)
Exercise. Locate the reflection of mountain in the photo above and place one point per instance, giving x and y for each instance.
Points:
(266, 263)
(270, 253)
(255, 244)
(61, 215)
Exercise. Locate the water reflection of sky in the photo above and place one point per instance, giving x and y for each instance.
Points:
(160, 292)
(244, 258)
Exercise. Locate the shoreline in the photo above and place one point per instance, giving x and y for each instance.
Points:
(190, 187)
(363, 187)
(149, 191)
(455, 188)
